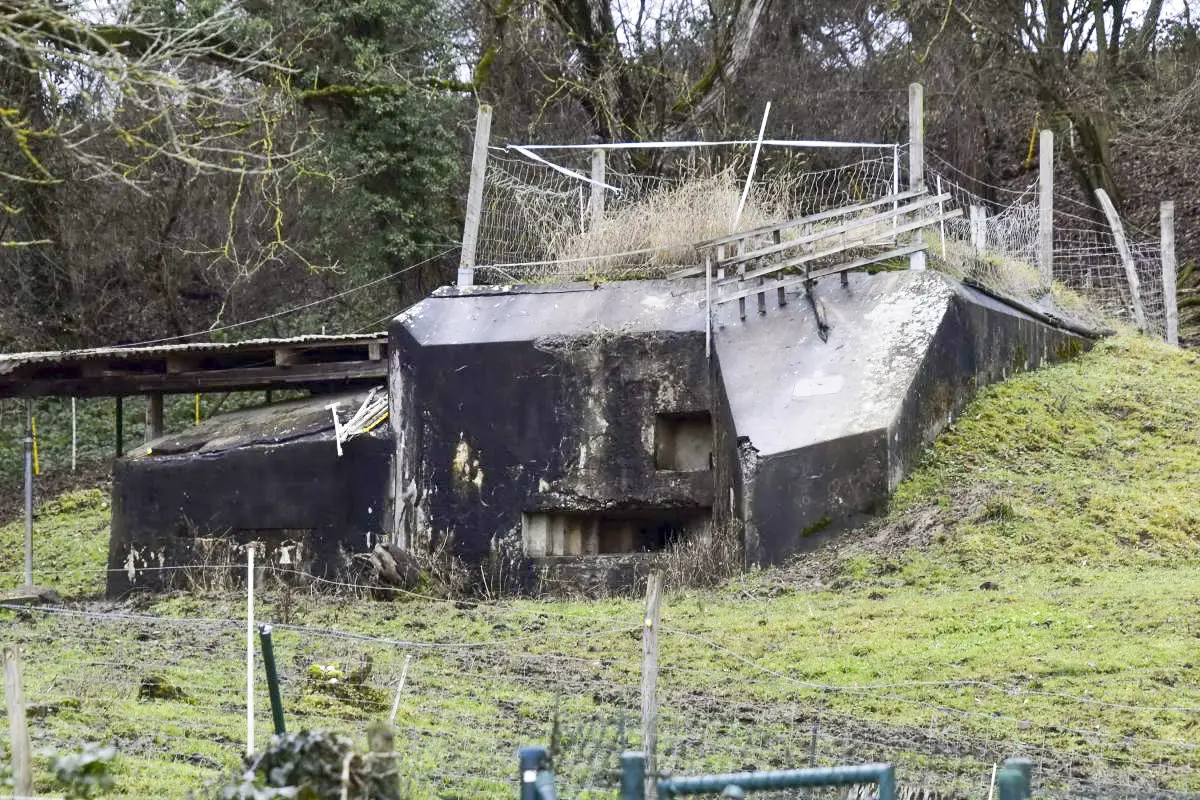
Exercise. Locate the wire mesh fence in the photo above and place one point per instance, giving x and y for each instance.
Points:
(488, 678)
(1001, 251)
(540, 219)
(538, 222)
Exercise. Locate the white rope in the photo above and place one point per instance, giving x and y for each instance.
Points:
(812, 143)
(568, 172)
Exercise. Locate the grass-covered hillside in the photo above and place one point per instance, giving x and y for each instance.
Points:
(1034, 590)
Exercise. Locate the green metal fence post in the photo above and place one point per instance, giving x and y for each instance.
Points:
(1025, 767)
(882, 775)
(633, 775)
(1010, 783)
(264, 635)
(887, 782)
(537, 781)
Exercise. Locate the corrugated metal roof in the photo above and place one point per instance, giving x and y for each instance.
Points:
(13, 361)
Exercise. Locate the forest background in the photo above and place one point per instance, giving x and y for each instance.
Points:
(169, 167)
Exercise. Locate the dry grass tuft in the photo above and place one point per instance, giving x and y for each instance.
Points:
(663, 229)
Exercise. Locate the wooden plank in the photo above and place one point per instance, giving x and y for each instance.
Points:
(375, 351)
(654, 586)
(1166, 224)
(800, 280)
(837, 230)
(1135, 285)
(287, 356)
(868, 241)
(808, 220)
(237, 379)
(180, 363)
(14, 698)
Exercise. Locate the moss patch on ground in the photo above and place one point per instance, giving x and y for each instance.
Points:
(1033, 590)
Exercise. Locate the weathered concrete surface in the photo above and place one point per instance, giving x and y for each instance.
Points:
(546, 409)
(544, 402)
(269, 475)
(829, 428)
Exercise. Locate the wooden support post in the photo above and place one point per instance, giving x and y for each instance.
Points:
(916, 156)
(708, 279)
(470, 240)
(120, 412)
(154, 416)
(14, 697)
(1166, 224)
(978, 229)
(941, 219)
(1046, 206)
(654, 586)
(596, 196)
(1135, 285)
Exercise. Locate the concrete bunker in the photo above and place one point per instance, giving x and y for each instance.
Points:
(269, 475)
(584, 429)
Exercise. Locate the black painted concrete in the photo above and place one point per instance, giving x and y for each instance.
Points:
(269, 475)
(543, 399)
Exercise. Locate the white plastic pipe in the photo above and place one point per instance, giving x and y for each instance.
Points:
(762, 129)
(250, 649)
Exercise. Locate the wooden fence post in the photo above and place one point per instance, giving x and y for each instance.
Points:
(470, 240)
(654, 584)
(916, 156)
(1135, 285)
(978, 229)
(14, 696)
(1166, 223)
(596, 197)
(1046, 206)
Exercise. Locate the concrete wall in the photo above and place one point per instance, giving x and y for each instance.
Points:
(569, 424)
(306, 507)
(558, 431)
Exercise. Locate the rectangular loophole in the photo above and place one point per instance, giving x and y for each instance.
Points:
(683, 442)
(568, 534)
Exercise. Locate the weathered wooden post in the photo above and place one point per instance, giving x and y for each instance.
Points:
(978, 229)
(1046, 207)
(1118, 231)
(1166, 223)
(14, 696)
(470, 240)
(596, 197)
(654, 585)
(916, 156)
(154, 416)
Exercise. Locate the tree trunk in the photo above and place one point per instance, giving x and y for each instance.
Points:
(1091, 155)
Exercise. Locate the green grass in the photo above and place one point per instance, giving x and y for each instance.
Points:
(1034, 589)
